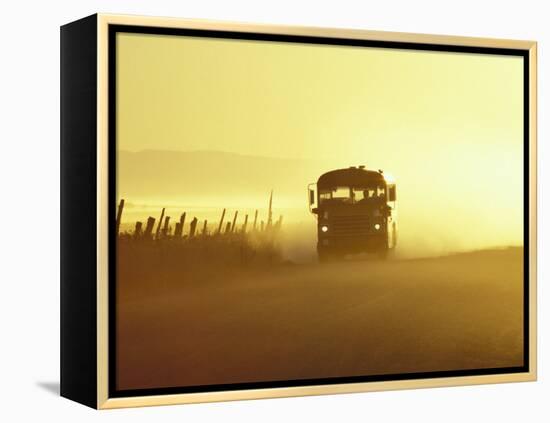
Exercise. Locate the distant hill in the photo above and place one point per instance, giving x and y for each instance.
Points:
(177, 174)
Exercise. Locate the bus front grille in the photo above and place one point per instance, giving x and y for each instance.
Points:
(351, 225)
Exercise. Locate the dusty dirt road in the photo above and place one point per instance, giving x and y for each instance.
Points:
(317, 321)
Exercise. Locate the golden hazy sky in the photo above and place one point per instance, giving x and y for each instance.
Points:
(448, 126)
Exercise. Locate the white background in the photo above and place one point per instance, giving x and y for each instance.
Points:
(29, 240)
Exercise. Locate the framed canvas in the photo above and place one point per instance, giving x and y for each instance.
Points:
(256, 211)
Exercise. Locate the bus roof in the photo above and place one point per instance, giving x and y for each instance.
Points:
(352, 176)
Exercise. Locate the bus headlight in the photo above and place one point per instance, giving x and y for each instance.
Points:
(377, 226)
(324, 228)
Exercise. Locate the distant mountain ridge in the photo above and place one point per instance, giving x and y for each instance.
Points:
(177, 174)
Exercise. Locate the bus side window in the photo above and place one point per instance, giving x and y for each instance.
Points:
(392, 194)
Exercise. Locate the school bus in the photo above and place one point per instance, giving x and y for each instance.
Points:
(356, 212)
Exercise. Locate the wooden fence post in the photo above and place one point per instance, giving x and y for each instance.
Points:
(279, 222)
(234, 221)
(119, 215)
(137, 230)
(149, 228)
(270, 212)
(262, 226)
(204, 227)
(255, 220)
(245, 223)
(192, 227)
(221, 222)
(182, 223)
(228, 227)
(166, 228)
(159, 225)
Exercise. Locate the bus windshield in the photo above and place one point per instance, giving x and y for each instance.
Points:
(352, 195)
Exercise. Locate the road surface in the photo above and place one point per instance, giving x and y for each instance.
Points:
(317, 321)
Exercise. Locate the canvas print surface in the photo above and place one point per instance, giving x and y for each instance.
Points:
(295, 211)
